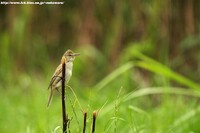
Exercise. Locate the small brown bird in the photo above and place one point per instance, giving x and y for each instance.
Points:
(56, 80)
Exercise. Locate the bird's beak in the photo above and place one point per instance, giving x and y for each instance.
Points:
(76, 54)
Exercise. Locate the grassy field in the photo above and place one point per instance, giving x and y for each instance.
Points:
(121, 107)
(138, 68)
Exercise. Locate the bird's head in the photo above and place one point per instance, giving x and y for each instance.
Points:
(70, 55)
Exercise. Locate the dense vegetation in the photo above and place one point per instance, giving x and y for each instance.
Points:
(139, 65)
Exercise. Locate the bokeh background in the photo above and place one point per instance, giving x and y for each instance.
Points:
(139, 65)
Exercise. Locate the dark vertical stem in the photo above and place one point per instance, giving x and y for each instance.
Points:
(84, 122)
(94, 121)
(64, 116)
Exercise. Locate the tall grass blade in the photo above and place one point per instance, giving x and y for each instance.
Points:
(185, 118)
(160, 90)
(156, 67)
(113, 75)
(151, 91)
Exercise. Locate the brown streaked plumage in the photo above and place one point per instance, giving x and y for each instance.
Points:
(55, 82)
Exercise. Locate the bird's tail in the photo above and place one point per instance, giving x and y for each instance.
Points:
(50, 97)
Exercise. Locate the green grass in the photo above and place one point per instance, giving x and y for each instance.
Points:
(153, 110)
(121, 107)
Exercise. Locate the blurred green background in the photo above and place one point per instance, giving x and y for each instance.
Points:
(139, 65)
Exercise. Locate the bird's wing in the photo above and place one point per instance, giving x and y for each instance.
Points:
(56, 75)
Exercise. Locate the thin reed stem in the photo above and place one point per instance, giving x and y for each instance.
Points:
(94, 121)
(84, 122)
(64, 115)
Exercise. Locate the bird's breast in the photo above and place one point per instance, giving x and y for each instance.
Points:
(68, 75)
(68, 71)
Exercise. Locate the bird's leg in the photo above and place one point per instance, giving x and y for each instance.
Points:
(58, 91)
